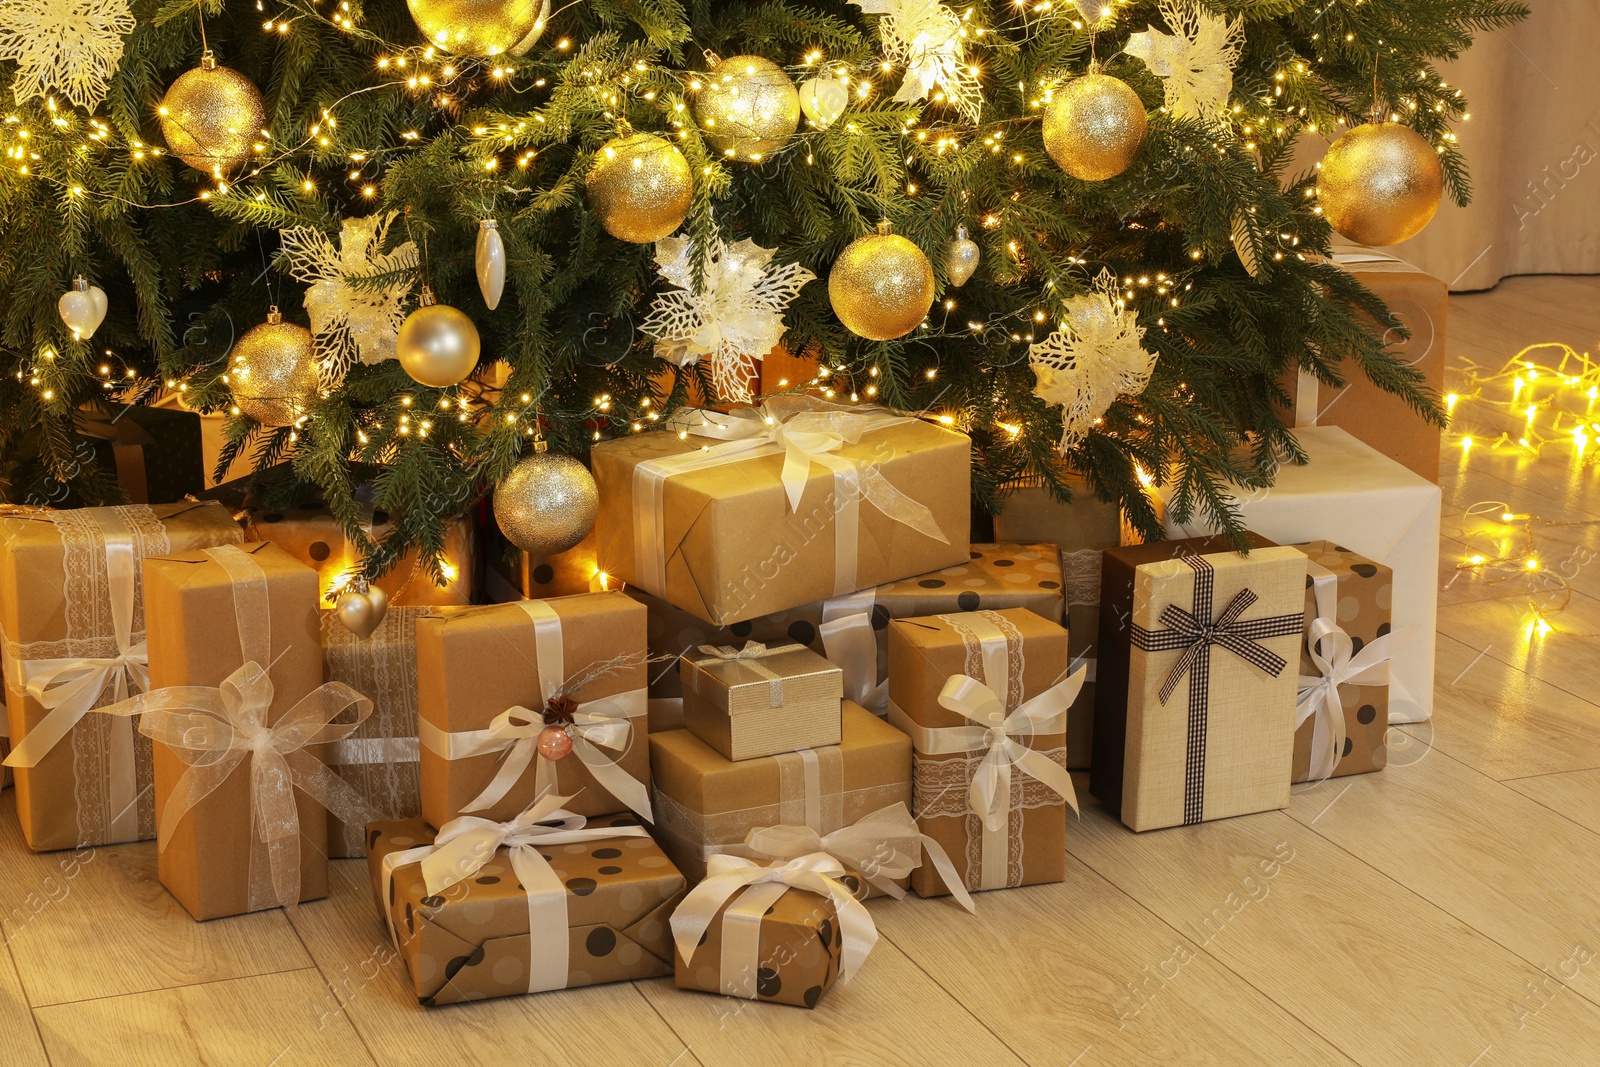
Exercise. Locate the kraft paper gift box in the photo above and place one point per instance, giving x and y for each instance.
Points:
(592, 907)
(1195, 710)
(1343, 710)
(491, 678)
(757, 700)
(72, 627)
(235, 646)
(513, 574)
(852, 630)
(984, 696)
(706, 804)
(1352, 495)
(1080, 530)
(728, 524)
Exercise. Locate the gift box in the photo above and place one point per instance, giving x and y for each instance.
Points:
(852, 630)
(1355, 497)
(213, 440)
(1080, 530)
(72, 628)
(1366, 412)
(156, 453)
(479, 911)
(754, 512)
(1194, 713)
(513, 574)
(492, 678)
(236, 678)
(1342, 716)
(706, 804)
(983, 696)
(757, 700)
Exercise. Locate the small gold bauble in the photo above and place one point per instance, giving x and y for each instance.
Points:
(437, 345)
(481, 27)
(547, 504)
(1380, 183)
(212, 118)
(640, 187)
(274, 372)
(1094, 127)
(961, 258)
(748, 109)
(881, 286)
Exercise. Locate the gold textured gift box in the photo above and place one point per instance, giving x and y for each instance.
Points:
(758, 701)
(62, 600)
(473, 941)
(706, 803)
(714, 533)
(1018, 656)
(473, 664)
(1195, 708)
(798, 958)
(195, 641)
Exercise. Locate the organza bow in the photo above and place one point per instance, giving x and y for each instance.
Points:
(515, 732)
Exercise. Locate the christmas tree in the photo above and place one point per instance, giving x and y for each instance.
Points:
(1115, 180)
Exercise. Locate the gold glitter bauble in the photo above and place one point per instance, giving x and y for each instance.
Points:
(1380, 183)
(547, 503)
(437, 345)
(640, 187)
(1094, 127)
(481, 27)
(212, 118)
(748, 109)
(274, 372)
(881, 286)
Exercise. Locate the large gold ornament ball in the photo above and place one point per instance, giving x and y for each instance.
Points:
(437, 345)
(640, 187)
(274, 372)
(481, 27)
(547, 504)
(748, 108)
(212, 118)
(1094, 127)
(881, 286)
(1380, 183)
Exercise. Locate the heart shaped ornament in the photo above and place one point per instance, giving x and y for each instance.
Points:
(823, 99)
(83, 308)
(961, 258)
(361, 611)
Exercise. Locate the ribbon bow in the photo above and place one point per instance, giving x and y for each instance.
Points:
(1333, 653)
(751, 650)
(761, 887)
(515, 732)
(1186, 630)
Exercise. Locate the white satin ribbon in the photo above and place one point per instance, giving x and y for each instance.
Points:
(1333, 653)
(851, 644)
(726, 875)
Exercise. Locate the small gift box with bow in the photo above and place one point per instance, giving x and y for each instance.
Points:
(757, 700)
(548, 900)
(1342, 716)
(516, 700)
(983, 696)
(1194, 711)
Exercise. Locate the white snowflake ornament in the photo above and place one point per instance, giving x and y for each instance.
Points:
(351, 324)
(1096, 356)
(1195, 61)
(68, 47)
(928, 40)
(735, 319)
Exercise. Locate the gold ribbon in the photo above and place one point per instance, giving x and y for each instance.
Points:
(1333, 654)
(749, 656)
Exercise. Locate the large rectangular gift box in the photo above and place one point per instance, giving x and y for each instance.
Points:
(754, 700)
(589, 910)
(729, 524)
(964, 686)
(852, 631)
(1194, 714)
(491, 678)
(72, 629)
(1354, 496)
(1080, 530)
(1343, 711)
(705, 803)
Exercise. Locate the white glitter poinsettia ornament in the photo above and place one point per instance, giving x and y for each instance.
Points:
(68, 47)
(928, 40)
(735, 319)
(351, 323)
(1096, 356)
(1195, 61)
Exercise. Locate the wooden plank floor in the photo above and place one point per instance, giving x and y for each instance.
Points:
(1444, 911)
